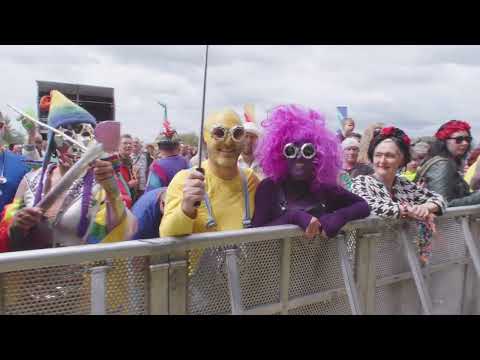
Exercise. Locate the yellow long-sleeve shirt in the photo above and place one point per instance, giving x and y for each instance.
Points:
(226, 198)
(470, 172)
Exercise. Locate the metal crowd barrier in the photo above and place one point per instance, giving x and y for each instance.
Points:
(370, 268)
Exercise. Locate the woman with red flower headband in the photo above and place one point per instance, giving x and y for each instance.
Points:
(442, 171)
(392, 196)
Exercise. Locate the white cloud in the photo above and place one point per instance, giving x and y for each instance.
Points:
(415, 87)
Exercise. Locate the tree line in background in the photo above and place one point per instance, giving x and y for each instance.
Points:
(189, 138)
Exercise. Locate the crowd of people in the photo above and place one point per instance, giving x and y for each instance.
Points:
(288, 169)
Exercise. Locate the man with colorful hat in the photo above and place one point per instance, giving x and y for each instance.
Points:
(170, 163)
(91, 211)
(247, 160)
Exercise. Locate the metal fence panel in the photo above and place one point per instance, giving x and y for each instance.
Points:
(126, 286)
(48, 291)
(292, 275)
(335, 306)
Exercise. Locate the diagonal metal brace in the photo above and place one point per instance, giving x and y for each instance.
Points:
(414, 265)
(471, 246)
(348, 278)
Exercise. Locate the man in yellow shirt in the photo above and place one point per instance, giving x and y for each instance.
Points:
(226, 192)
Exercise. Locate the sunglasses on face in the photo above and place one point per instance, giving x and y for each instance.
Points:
(461, 139)
(307, 151)
(221, 133)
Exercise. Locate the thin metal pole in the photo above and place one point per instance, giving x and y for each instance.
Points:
(200, 142)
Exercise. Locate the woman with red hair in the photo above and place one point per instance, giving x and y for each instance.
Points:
(442, 172)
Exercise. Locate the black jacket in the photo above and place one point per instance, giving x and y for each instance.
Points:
(444, 178)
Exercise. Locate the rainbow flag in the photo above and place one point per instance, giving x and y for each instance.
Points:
(6, 219)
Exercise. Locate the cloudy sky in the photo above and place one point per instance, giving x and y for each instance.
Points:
(414, 87)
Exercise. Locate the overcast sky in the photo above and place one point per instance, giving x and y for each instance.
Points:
(414, 87)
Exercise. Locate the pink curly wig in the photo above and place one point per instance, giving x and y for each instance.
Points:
(293, 123)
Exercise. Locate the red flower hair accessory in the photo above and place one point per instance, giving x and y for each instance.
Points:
(392, 131)
(388, 131)
(453, 126)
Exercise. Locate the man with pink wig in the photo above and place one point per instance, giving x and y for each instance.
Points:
(302, 168)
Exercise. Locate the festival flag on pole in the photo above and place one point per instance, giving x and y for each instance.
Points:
(342, 114)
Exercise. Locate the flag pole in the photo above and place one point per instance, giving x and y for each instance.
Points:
(200, 141)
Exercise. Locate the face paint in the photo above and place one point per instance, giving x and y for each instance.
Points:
(224, 136)
(300, 167)
(67, 152)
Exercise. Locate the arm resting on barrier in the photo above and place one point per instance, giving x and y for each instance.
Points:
(342, 206)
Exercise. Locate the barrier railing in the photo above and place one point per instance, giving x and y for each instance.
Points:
(370, 268)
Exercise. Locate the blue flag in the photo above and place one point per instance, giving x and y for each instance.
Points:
(342, 113)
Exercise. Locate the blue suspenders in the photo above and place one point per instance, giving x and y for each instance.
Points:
(247, 222)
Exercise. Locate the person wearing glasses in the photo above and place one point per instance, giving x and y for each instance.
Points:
(223, 197)
(442, 172)
(301, 169)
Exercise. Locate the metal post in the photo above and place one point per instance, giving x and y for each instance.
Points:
(470, 282)
(177, 284)
(414, 265)
(234, 281)
(158, 287)
(366, 273)
(98, 290)
(285, 273)
(471, 246)
(352, 292)
(468, 291)
(2, 294)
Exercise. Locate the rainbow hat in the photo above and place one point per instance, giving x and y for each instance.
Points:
(64, 112)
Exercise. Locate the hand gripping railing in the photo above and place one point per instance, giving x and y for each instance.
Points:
(167, 281)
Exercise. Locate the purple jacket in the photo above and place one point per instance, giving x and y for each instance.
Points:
(339, 207)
